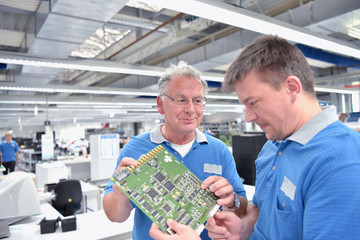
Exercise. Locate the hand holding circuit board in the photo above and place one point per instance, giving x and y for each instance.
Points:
(163, 188)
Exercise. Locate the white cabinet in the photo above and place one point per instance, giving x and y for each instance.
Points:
(104, 150)
(50, 172)
(28, 158)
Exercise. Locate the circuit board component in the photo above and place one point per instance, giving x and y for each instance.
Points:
(164, 188)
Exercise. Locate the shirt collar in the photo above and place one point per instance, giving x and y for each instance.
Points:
(315, 125)
(157, 137)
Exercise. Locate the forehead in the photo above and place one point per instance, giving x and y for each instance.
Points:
(184, 84)
(183, 79)
(251, 85)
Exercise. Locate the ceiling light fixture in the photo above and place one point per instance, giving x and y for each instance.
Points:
(70, 89)
(42, 102)
(354, 32)
(79, 64)
(335, 90)
(92, 65)
(126, 91)
(238, 17)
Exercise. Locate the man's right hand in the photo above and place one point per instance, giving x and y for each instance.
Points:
(126, 161)
(228, 225)
(116, 204)
(225, 225)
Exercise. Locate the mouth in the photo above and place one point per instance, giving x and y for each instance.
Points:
(188, 120)
(262, 126)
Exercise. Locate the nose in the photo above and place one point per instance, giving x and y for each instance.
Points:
(189, 106)
(250, 115)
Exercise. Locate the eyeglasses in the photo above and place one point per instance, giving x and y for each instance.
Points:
(198, 101)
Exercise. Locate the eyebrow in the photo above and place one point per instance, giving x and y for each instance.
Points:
(183, 95)
(246, 100)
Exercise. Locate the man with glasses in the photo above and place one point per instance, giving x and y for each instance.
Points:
(181, 101)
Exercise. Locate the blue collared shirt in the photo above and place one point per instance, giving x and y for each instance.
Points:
(8, 151)
(208, 156)
(307, 185)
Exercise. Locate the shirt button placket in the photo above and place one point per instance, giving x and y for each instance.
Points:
(279, 154)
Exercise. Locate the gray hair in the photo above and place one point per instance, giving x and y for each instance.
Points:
(181, 69)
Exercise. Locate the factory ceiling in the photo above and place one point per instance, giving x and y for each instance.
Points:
(84, 61)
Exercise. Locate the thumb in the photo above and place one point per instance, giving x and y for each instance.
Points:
(155, 232)
(223, 216)
(175, 226)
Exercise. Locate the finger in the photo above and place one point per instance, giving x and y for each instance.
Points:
(222, 216)
(218, 185)
(154, 227)
(226, 200)
(223, 191)
(227, 219)
(177, 227)
(126, 162)
(156, 233)
(210, 180)
(221, 188)
(215, 236)
(215, 226)
(215, 231)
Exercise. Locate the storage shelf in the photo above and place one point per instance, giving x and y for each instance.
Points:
(28, 159)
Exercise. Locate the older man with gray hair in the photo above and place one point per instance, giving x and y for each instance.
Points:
(181, 100)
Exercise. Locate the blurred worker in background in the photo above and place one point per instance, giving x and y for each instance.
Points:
(9, 152)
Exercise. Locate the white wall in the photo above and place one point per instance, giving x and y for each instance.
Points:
(23, 131)
(148, 126)
(74, 131)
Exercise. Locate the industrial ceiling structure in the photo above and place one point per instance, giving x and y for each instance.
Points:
(79, 61)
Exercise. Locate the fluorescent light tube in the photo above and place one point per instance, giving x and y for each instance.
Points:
(238, 17)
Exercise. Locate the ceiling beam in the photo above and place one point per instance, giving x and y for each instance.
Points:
(238, 17)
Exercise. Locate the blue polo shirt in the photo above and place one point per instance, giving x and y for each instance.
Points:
(307, 186)
(205, 150)
(8, 151)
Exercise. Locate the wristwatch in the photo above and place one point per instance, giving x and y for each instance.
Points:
(236, 201)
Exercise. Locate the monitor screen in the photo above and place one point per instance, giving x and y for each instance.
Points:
(18, 197)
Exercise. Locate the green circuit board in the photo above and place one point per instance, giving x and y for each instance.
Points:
(164, 188)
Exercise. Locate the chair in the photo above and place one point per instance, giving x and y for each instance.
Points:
(68, 197)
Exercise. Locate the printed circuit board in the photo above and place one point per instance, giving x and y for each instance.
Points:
(164, 188)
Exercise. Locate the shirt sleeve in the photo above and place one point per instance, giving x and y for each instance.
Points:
(16, 147)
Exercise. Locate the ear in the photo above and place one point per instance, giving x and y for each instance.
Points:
(160, 105)
(293, 85)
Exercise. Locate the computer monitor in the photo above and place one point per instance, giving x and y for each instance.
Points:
(18, 197)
